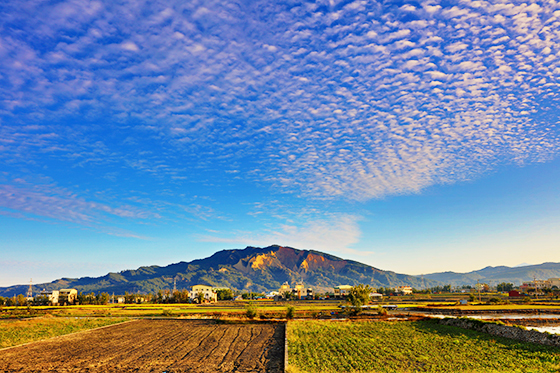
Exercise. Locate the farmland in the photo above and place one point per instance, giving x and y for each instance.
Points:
(15, 332)
(156, 346)
(419, 346)
(166, 336)
(265, 308)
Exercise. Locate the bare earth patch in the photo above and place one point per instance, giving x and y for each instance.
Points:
(156, 346)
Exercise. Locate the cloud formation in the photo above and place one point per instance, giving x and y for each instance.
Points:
(353, 100)
(49, 202)
(334, 234)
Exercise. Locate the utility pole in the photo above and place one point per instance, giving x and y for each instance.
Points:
(536, 290)
(478, 288)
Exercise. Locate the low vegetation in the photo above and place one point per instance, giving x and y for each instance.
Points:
(16, 332)
(421, 346)
(251, 310)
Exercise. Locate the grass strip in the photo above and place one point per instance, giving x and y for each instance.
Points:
(17, 332)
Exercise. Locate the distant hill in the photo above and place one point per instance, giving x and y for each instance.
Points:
(516, 275)
(253, 268)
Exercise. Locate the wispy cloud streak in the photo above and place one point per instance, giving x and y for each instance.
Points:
(51, 202)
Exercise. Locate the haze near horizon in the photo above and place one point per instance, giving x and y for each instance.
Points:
(415, 137)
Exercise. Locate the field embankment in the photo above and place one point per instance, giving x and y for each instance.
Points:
(506, 331)
(418, 346)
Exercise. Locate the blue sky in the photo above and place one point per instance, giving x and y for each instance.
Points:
(415, 137)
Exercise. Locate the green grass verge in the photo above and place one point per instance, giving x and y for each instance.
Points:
(422, 346)
(16, 332)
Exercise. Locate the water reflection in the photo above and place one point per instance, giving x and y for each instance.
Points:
(542, 329)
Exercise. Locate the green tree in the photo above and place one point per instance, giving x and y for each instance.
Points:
(251, 295)
(200, 297)
(158, 299)
(91, 298)
(181, 296)
(224, 294)
(103, 298)
(21, 300)
(131, 298)
(504, 286)
(358, 296)
(41, 300)
(287, 295)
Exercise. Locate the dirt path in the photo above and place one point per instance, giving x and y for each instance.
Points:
(170, 346)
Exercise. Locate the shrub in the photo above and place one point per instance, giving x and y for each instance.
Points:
(166, 313)
(251, 310)
(495, 301)
(353, 311)
(290, 311)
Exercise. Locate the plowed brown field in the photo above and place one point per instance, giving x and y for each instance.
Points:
(155, 346)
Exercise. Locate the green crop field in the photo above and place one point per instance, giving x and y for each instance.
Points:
(16, 332)
(420, 346)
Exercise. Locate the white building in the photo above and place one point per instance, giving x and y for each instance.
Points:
(51, 295)
(405, 290)
(342, 291)
(272, 294)
(207, 290)
(67, 296)
(554, 282)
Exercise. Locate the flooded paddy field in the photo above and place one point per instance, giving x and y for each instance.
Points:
(541, 320)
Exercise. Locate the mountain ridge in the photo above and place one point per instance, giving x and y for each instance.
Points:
(516, 275)
(252, 268)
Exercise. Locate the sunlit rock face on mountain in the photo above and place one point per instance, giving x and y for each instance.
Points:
(252, 268)
(300, 261)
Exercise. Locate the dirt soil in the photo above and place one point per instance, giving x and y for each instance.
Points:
(155, 346)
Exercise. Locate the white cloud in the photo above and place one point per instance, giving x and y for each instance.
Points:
(130, 46)
(335, 234)
(370, 106)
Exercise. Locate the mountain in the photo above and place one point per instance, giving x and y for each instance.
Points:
(253, 268)
(495, 275)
